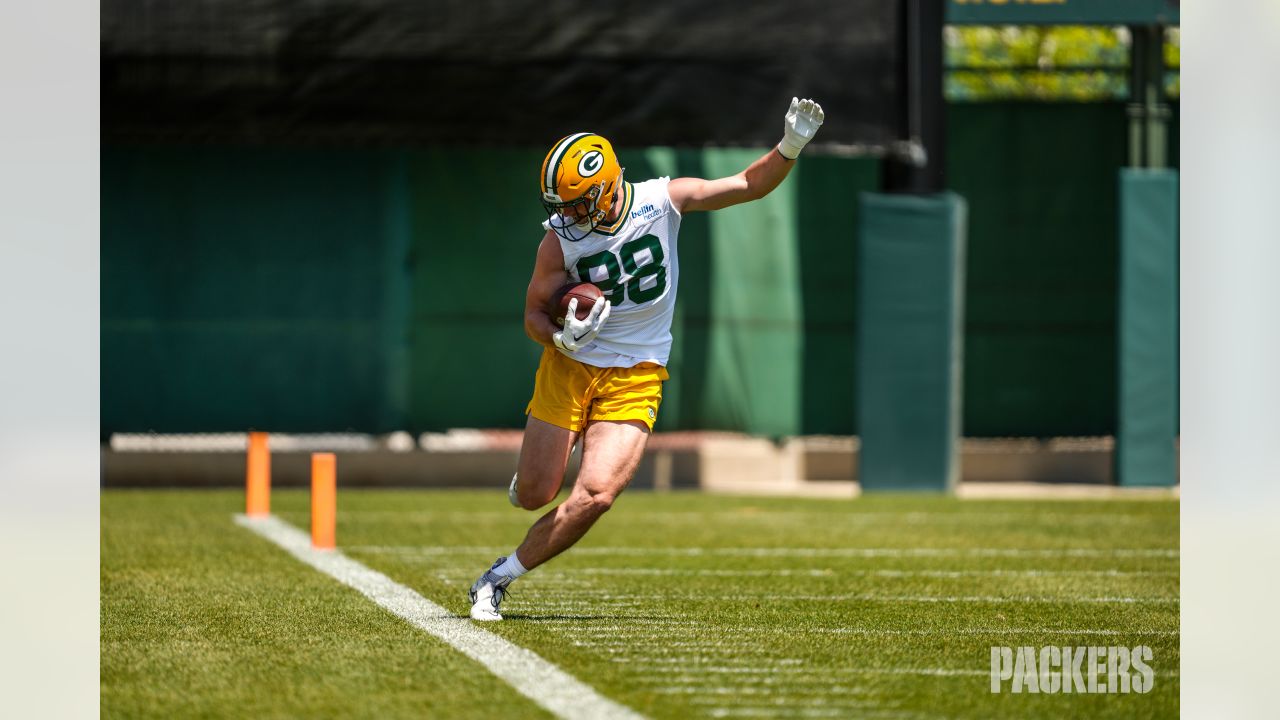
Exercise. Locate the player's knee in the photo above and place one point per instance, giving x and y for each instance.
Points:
(600, 502)
(590, 504)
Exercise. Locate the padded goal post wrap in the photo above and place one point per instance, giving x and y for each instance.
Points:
(1147, 331)
(910, 315)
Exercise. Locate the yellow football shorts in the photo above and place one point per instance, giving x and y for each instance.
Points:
(570, 394)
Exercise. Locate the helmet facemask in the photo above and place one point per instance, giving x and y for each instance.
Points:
(575, 219)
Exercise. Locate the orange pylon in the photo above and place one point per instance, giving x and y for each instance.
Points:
(324, 500)
(257, 495)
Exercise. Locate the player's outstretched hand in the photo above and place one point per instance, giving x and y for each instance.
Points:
(577, 334)
(800, 124)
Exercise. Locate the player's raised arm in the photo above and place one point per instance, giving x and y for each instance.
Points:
(800, 124)
(548, 276)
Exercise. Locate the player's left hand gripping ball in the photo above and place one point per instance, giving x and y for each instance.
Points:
(577, 334)
(800, 124)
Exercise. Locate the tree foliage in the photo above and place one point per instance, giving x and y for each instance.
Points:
(1061, 63)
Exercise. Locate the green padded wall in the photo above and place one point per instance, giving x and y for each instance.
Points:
(911, 284)
(752, 352)
(330, 288)
(1040, 181)
(252, 288)
(472, 257)
(827, 218)
(757, 326)
(473, 365)
(313, 290)
(1148, 328)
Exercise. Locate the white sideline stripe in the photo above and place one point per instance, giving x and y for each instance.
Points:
(532, 676)
(792, 552)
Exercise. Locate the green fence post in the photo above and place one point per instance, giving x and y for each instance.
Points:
(1147, 342)
(910, 328)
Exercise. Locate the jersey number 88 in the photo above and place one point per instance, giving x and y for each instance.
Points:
(609, 285)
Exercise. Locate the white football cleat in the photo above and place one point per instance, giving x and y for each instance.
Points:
(487, 593)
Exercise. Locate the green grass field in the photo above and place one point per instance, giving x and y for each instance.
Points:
(678, 605)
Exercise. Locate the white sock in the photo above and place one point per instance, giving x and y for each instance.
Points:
(511, 568)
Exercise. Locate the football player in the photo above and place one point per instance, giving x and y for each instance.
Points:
(600, 378)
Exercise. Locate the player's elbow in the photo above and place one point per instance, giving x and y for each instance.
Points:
(533, 328)
(750, 191)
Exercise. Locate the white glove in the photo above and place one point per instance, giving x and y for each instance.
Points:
(577, 334)
(799, 126)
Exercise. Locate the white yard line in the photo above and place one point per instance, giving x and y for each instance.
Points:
(755, 515)
(993, 631)
(616, 599)
(828, 572)
(619, 632)
(560, 577)
(753, 712)
(1021, 573)
(531, 676)
(790, 552)
(745, 690)
(780, 683)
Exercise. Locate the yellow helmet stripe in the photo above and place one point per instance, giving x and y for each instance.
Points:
(557, 154)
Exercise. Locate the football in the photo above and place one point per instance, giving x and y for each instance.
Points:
(586, 294)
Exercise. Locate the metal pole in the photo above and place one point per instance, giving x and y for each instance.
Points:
(917, 163)
(1137, 84)
(1148, 113)
(1157, 111)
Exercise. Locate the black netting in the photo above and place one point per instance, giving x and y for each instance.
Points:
(517, 72)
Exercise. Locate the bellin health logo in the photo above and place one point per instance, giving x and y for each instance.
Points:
(1056, 669)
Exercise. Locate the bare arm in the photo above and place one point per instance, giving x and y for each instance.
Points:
(758, 180)
(799, 125)
(548, 276)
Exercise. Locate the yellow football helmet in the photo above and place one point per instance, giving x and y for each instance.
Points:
(580, 181)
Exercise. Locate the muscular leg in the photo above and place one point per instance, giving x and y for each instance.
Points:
(610, 453)
(543, 457)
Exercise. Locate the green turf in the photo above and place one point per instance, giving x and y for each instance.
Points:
(677, 605)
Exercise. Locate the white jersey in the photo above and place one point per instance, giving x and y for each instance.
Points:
(634, 262)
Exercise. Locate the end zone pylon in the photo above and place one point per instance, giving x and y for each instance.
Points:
(324, 500)
(257, 495)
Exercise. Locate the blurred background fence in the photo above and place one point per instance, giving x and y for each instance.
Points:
(322, 217)
(321, 288)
